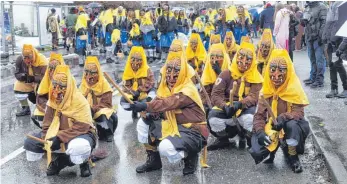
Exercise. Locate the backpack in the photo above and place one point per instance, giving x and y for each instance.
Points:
(52, 22)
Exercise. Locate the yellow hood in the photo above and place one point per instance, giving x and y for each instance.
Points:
(200, 51)
(267, 36)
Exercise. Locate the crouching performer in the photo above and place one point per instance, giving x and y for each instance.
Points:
(180, 132)
(98, 93)
(283, 91)
(228, 119)
(138, 78)
(30, 68)
(68, 134)
(42, 92)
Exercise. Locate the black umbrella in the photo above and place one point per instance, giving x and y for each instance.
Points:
(94, 5)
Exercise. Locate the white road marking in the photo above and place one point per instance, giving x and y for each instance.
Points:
(12, 155)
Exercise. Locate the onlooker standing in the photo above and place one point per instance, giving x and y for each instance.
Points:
(299, 37)
(281, 29)
(341, 52)
(293, 31)
(266, 17)
(52, 26)
(70, 25)
(314, 22)
(333, 43)
(255, 21)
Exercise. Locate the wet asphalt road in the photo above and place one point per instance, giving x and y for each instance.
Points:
(227, 166)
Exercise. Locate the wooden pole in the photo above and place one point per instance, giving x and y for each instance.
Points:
(118, 88)
(36, 139)
(209, 103)
(269, 109)
(231, 99)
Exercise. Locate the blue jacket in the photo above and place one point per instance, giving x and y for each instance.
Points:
(267, 18)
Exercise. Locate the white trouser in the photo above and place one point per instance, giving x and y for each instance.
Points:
(219, 125)
(142, 131)
(22, 96)
(79, 150)
(167, 149)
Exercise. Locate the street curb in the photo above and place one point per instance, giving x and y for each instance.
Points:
(335, 166)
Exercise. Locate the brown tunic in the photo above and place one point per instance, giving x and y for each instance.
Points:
(41, 101)
(208, 89)
(221, 91)
(145, 84)
(261, 116)
(105, 101)
(22, 68)
(65, 133)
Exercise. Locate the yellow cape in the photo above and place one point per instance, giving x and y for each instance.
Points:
(251, 75)
(141, 73)
(115, 36)
(198, 24)
(146, 19)
(208, 28)
(209, 76)
(82, 21)
(135, 31)
(233, 47)
(98, 89)
(200, 53)
(211, 15)
(183, 85)
(106, 17)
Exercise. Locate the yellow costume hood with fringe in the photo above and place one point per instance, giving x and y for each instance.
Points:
(209, 76)
(101, 87)
(215, 38)
(200, 53)
(74, 106)
(233, 47)
(141, 72)
(251, 75)
(183, 85)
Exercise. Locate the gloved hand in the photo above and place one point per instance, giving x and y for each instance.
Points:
(280, 123)
(263, 139)
(216, 68)
(125, 104)
(338, 53)
(55, 143)
(231, 111)
(138, 106)
(30, 79)
(23, 77)
(136, 95)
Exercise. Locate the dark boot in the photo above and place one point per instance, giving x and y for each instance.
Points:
(333, 93)
(271, 159)
(190, 163)
(134, 115)
(317, 84)
(343, 94)
(153, 162)
(219, 143)
(25, 111)
(59, 162)
(295, 163)
(308, 81)
(85, 169)
(242, 143)
(109, 135)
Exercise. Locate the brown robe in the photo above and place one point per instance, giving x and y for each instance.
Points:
(261, 116)
(221, 91)
(65, 133)
(145, 84)
(21, 68)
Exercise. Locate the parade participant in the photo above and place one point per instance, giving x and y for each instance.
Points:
(118, 17)
(71, 20)
(179, 135)
(242, 24)
(106, 19)
(30, 69)
(42, 92)
(198, 27)
(212, 15)
(82, 35)
(135, 38)
(52, 26)
(217, 61)
(149, 36)
(283, 91)
(244, 71)
(167, 25)
(222, 25)
(230, 45)
(215, 38)
(98, 92)
(116, 48)
(209, 29)
(182, 23)
(128, 26)
(138, 76)
(265, 47)
(67, 124)
(195, 52)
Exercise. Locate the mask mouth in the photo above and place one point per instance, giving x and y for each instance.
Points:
(277, 82)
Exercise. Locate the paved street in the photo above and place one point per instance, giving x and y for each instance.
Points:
(227, 166)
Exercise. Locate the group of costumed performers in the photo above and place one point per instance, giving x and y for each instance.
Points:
(233, 90)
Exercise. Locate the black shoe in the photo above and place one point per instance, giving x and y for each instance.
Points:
(25, 111)
(190, 163)
(59, 162)
(295, 163)
(271, 159)
(316, 85)
(242, 143)
(219, 143)
(109, 136)
(153, 162)
(134, 115)
(333, 93)
(109, 60)
(85, 169)
(343, 94)
(308, 81)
